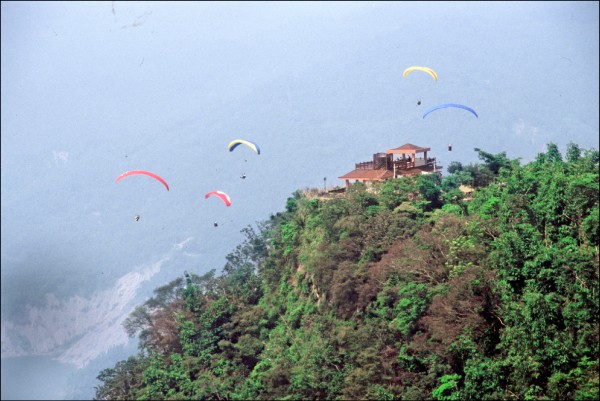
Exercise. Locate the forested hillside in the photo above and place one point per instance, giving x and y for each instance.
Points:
(404, 291)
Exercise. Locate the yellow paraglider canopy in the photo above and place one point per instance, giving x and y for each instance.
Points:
(426, 69)
(236, 142)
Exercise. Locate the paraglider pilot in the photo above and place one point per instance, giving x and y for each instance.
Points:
(137, 217)
(449, 147)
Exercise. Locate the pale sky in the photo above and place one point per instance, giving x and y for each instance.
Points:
(93, 89)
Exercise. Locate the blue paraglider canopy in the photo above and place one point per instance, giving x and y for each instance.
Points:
(445, 105)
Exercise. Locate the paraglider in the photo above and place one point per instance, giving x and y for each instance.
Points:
(224, 197)
(425, 69)
(148, 173)
(137, 217)
(443, 106)
(419, 102)
(216, 224)
(236, 142)
(449, 147)
(243, 176)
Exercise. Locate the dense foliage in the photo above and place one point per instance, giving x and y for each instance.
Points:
(405, 291)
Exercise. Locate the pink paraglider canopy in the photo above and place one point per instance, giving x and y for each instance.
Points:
(224, 197)
(148, 173)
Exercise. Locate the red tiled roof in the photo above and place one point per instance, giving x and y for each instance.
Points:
(419, 170)
(361, 174)
(408, 148)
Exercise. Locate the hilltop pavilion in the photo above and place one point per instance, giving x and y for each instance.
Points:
(407, 159)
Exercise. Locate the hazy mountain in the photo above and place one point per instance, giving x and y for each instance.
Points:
(90, 90)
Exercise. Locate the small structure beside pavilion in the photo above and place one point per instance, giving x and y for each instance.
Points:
(404, 160)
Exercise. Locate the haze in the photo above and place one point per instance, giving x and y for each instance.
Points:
(93, 89)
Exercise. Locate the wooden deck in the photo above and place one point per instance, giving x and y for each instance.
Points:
(397, 164)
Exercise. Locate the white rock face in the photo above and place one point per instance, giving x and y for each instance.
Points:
(77, 330)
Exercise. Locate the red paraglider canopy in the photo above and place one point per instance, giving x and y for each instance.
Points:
(224, 197)
(148, 173)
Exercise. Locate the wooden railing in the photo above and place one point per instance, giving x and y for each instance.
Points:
(399, 164)
(370, 165)
(364, 166)
(404, 164)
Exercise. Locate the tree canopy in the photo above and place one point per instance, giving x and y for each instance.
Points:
(405, 290)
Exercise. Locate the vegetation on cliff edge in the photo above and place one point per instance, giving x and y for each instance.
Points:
(400, 291)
